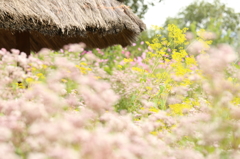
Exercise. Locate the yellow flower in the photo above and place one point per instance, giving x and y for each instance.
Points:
(33, 69)
(44, 66)
(179, 69)
(236, 101)
(119, 66)
(178, 108)
(128, 60)
(149, 88)
(40, 75)
(64, 80)
(83, 70)
(83, 63)
(155, 27)
(177, 34)
(20, 85)
(187, 104)
(191, 61)
(29, 80)
(138, 69)
(97, 77)
(153, 109)
(154, 133)
(230, 79)
(185, 82)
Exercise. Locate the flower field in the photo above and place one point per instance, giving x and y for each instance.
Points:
(178, 99)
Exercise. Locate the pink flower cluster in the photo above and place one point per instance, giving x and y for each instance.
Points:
(52, 120)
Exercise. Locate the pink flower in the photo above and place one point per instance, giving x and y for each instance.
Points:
(127, 54)
(44, 51)
(6, 134)
(15, 51)
(189, 36)
(75, 47)
(144, 55)
(196, 47)
(37, 155)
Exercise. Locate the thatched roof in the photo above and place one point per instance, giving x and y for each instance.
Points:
(54, 23)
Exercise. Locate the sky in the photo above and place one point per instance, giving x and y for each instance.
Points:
(169, 8)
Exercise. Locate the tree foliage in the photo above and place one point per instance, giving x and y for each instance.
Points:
(215, 17)
(139, 7)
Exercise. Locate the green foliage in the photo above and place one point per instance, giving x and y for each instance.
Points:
(109, 54)
(139, 7)
(215, 17)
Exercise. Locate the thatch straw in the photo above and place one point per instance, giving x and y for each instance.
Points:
(54, 23)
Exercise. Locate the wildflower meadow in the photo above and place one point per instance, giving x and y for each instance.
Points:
(175, 97)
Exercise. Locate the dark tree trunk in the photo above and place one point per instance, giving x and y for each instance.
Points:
(23, 42)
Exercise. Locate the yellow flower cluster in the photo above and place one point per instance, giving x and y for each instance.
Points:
(180, 107)
(137, 69)
(83, 69)
(170, 52)
(177, 35)
(37, 76)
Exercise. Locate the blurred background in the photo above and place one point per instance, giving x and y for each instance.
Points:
(160, 11)
(221, 17)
